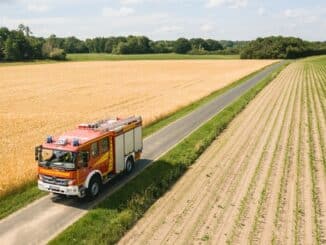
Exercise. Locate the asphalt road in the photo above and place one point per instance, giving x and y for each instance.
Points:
(45, 218)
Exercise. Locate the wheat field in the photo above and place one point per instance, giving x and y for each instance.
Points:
(47, 99)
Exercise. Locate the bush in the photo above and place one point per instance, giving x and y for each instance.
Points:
(57, 54)
(198, 52)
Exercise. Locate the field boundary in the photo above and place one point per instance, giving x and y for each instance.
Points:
(111, 218)
(129, 57)
(28, 193)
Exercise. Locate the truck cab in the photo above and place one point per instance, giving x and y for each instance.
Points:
(78, 162)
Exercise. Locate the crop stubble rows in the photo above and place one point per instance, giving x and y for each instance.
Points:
(49, 98)
(262, 181)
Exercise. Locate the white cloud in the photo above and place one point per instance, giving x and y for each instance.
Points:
(294, 13)
(228, 3)
(306, 16)
(170, 28)
(14, 22)
(131, 1)
(121, 12)
(261, 11)
(206, 27)
(37, 5)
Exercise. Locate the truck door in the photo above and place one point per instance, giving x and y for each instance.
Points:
(104, 160)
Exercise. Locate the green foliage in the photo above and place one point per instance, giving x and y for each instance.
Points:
(20, 45)
(4, 33)
(74, 45)
(16, 46)
(166, 56)
(36, 45)
(161, 47)
(213, 45)
(133, 45)
(182, 46)
(198, 44)
(278, 47)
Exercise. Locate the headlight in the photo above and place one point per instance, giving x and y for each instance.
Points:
(72, 182)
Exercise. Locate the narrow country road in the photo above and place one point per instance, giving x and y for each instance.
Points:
(45, 218)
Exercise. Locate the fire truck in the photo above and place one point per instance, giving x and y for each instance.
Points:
(79, 162)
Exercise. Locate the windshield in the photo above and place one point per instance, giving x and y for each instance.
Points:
(58, 159)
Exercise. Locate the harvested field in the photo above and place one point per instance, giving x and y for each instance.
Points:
(262, 181)
(38, 100)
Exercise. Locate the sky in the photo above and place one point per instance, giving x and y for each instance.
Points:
(169, 19)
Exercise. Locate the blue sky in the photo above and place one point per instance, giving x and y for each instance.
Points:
(169, 19)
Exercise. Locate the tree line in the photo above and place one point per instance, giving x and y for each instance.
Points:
(20, 44)
(278, 47)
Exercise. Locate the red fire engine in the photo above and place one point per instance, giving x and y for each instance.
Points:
(78, 162)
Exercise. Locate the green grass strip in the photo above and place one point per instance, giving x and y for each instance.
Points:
(28, 193)
(110, 219)
(168, 56)
(19, 199)
(129, 57)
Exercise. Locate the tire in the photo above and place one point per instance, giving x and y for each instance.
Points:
(129, 165)
(94, 188)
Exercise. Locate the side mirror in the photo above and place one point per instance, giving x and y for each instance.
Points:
(37, 152)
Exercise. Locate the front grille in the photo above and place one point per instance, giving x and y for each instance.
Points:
(54, 180)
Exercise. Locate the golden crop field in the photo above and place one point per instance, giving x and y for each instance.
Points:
(263, 181)
(46, 99)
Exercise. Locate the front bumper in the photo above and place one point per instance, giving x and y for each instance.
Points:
(65, 190)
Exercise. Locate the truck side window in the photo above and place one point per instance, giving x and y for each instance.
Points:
(104, 145)
(94, 149)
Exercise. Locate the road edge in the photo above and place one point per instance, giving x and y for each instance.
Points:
(111, 218)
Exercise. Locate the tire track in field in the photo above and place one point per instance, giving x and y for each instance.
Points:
(169, 201)
(263, 221)
(284, 220)
(299, 199)
(215, 215)
(308, 208)
(257, 170)
(320, 107)
(245, 217)
(316, 159)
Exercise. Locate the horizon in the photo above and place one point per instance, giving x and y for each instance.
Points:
(236, 20)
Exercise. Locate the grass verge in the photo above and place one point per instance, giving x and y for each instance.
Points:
(19, 199)
(110, 219)
(169, 56)
(112, 57)
(29, 192)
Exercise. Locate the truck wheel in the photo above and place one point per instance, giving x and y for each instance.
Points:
(94, 188)
(129, 165)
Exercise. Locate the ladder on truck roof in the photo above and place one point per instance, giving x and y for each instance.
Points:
(115, 124)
